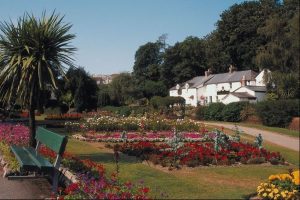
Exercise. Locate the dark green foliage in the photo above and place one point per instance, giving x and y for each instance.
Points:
(200, 112)
(232, 111)
(211, 112)
(237, 30)
(152, 88)
(83, 89)
(221, 112)
(103, 96)
(127, 110)
(164, 102)
(284, 85)
(183, 61)
(168, 105)
(278, 113)
(123, 90)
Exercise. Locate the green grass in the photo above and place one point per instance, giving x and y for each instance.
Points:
(194, 183)
(283, 131)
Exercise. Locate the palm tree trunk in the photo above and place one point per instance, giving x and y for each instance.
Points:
(32, 126)
(32, 140)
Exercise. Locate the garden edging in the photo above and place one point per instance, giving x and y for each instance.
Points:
(65, 174)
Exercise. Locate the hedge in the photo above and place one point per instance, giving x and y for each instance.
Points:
(272, 113)
(278, 113)
(232, 111)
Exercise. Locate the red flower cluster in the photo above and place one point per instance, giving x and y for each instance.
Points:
(67, 116)
(194, 154)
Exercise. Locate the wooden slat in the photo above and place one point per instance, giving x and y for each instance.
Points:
(52, 140)
(25, 161)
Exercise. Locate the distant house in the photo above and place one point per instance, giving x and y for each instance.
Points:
(233, 86)
(103, 79)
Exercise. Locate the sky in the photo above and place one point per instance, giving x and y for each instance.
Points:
(108, 32)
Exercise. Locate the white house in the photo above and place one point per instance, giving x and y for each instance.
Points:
(228, 87)
(191, 90)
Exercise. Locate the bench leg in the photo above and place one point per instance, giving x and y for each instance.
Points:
(55, 181)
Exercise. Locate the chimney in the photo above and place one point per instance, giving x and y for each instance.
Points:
(244, 82)
(208, 72)
(231, 68)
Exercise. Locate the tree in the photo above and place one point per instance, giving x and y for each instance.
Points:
(237, 30)
(123, 89)
(33, 53)
(148, 58)
(78, 80)
(68, 99)
(183, 61)
(217, 58)
(281, 49)
(103, 96)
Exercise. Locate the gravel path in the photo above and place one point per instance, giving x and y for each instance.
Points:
(24, 189)
(276, 138)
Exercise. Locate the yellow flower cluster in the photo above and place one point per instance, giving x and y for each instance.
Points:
(273, 190)
(296, 177)
(281, 177)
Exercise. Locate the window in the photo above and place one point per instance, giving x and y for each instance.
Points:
(230, 85)
(210, 99)
(217, 98)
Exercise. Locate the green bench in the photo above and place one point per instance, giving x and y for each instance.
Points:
(30, 160)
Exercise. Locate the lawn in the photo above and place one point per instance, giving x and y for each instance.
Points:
(283, 131)
(202, 182)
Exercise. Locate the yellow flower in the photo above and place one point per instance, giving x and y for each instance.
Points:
(285, 177)
(264, 194)
(295, 174)
(276, 190)
(268, 190)
(271, 195)
(283, 194)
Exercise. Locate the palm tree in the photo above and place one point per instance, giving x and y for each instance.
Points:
(33, 56)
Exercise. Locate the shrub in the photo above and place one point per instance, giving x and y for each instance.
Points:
(214, 111)
(200, 111)
(278, 113)
(232, 111)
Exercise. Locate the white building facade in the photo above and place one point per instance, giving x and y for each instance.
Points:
(233, 86)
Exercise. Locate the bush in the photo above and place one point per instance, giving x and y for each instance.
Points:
(232, 111)
(214, 111)
(278, 113)
(200, 111)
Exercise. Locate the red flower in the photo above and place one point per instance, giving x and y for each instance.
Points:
(145, 190)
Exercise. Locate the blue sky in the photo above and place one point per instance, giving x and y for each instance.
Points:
(108, 32)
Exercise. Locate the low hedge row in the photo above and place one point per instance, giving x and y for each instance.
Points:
(272, 113)
(221, 112)
(277, 113)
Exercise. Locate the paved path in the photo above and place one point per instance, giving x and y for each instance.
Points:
(24, 189)
(276, 138)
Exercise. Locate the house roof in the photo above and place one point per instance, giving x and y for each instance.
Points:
(242, 95)
(257, 88)
(194, 82)
(235, 76)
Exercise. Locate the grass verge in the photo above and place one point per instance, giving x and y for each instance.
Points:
(230, 182)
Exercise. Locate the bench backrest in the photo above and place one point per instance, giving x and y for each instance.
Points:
(52, 140)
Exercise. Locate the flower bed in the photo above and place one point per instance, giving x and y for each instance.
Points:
(194, 154)
(92, 182)
(109, 123)
(161, 136)
(14, 134)
(280, 186)
(67, 116)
